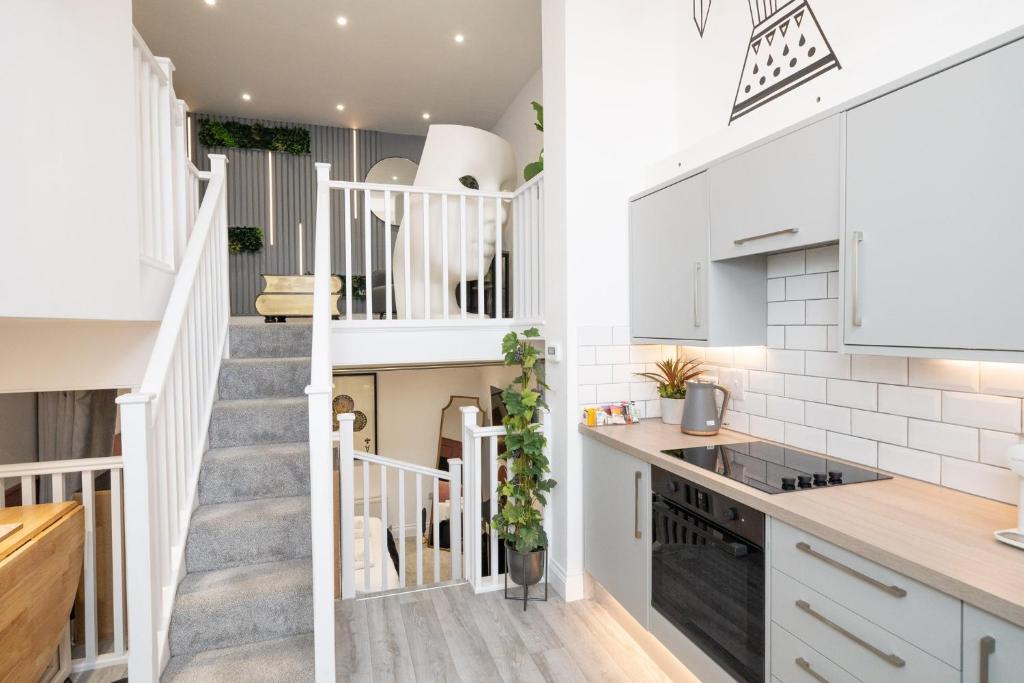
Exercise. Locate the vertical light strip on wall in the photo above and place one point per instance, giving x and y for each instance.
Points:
(355, 172)
(302, 245)
(270, 196)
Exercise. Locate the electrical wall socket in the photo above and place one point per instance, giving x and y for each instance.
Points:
(732, 380)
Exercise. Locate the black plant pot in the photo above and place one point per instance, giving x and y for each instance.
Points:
(525, 569)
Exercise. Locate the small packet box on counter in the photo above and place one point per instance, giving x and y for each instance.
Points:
(622, 413)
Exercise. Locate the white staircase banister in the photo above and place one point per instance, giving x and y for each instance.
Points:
(399, 464)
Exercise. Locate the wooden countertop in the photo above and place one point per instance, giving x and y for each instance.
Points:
(940, 537)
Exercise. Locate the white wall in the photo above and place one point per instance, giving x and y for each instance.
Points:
(609, 113)
(56, 355)
(68, 181)
(517, 124)
(18, 429)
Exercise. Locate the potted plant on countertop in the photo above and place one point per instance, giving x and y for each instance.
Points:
(519, 521)
(671, 377)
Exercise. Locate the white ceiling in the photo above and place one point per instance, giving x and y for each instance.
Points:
(393, 61)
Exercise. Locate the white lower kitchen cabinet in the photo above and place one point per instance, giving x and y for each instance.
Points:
(616, 511)
(993, 648)
(794, 660)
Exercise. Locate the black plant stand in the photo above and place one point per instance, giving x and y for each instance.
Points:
(525, 598)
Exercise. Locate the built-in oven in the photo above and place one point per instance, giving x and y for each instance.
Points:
(707, 572)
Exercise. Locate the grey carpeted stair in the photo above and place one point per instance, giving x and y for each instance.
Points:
(263, 377)
(250, 532)
(248, 472)
(271, 661)
(259, 421)
(244, 610)
(241, 605)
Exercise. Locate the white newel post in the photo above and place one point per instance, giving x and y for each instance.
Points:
(471, 465)
(144, 585)
(348, 507)
(545, 425)
(455, 517)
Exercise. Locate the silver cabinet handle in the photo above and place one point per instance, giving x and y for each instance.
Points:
(696, 294)
(895, 660)
(894, 591)
(784, 231)
(857, 238)
(636, 506)
(988, 648)
(806, 666)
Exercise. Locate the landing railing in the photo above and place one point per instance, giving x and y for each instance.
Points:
(486, 246)
(101, 623)
(164, 181)
(375, 513)
(484, 458)
(164, 426)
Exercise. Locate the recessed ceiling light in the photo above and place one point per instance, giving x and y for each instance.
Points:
(426, 115)
(246, 96)
(340, 107)
(211, 3)
(459, 38)
(342, 21)
(394, 177)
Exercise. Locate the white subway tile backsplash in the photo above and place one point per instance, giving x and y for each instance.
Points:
(586, 355)
(910, 463)
(853, 448)
(958, 442)
(879, 427)
(863, 395)
(808, 338)
(833, 338)
(595, 374)
(776, 337)
(777, 289)
(652, 409)
(765, 428)
(789, 263)
(786, 409)
(885, 369)
(805, 437)
(738, 422)
(643, 391)
(767, 382)
(586, 393)
(822, 311)
(693, 352)
(992, 446)
(807, 388)
(977, 410)
(807, 287)
(832, 418)
(786, 313)
(833, 285)
(826, 364)
(720, 356)
(910, 401)
(791, 362)
(647, 353)
(595, 335)
(822, 259)
(954, 375)
(620, 335)
(612, 393)
(980, 479)
(752, 404)
(1002, 379)
(749, 357)
(610, 355)
(627, 372)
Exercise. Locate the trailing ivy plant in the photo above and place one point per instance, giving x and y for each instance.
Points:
(253, 136)
(244, 238)
(535, 167)
(519, 520)
(358, 286)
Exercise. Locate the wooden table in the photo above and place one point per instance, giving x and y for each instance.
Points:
(39, 569)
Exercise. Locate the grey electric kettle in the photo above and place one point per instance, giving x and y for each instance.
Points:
(701, 416)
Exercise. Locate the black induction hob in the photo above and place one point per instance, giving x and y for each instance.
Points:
(772, 468)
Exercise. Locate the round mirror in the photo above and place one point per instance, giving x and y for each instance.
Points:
(390, 171)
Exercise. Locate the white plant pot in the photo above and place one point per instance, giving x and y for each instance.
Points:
(672, 410)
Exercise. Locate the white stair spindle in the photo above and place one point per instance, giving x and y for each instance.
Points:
(444, 257)
(480, 257)
(401, 528)
(455, 517)
(57, 487)
(384, 559)
(346, 424)
(498, 313)
(407, 217)
(387, 255)
(348, 253)
(368, 250)
(366, 526)
(539, 278)
(117, 555)
(462, 254)
(435, 515)
(426, 257)
(495, 501)
(419, 529)
(28, 490)
(89, 503)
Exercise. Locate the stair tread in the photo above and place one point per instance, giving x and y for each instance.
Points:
(248, 532)
(242, 403)
(240, 605)
(254, 452)
(269, 661)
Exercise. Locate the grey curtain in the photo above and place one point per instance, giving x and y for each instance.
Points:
(71, 425)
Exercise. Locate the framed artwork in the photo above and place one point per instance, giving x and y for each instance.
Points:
(357, 393)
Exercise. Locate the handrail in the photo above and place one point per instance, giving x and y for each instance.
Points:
(400, 465)
(25, 469)
(177, 304)
(415, 189)
(140, 44)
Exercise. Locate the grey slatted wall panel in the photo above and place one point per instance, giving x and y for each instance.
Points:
(294, 189)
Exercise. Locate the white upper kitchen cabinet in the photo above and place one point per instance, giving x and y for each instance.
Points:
(781, 195)
(993, 648)
(676, 295)
(934, 235)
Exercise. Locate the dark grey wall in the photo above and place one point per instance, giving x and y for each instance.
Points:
(295, 199)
